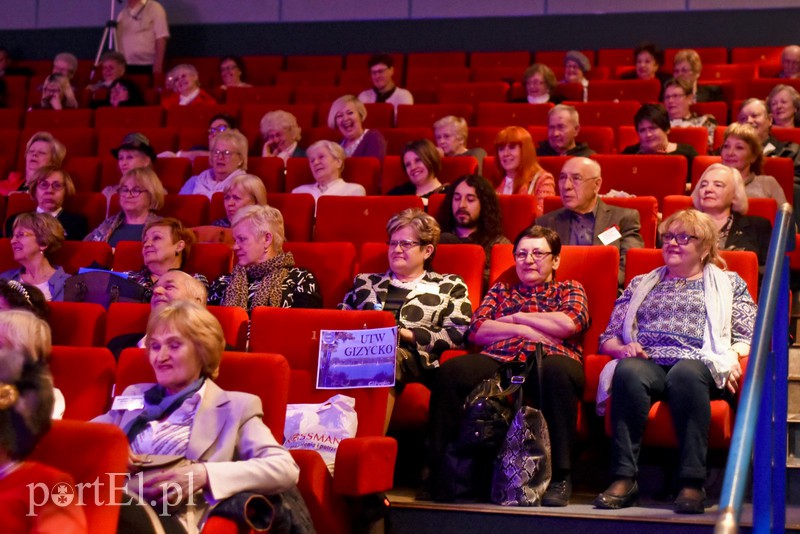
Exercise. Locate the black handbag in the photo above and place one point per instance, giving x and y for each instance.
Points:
(104, 288)
(523, 469)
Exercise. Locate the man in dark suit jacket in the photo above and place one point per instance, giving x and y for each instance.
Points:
(587, 220)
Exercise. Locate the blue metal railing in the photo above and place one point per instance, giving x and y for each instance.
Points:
(761, 415)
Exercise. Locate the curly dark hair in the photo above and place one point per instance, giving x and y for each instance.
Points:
(25, 297)
(490, 222)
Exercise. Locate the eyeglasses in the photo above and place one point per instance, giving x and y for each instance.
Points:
(681, 239)
(224, 153)
(378, 71)
(405, 244)
(575, 180)
(55, 186)
(22, 235)
(538, 255)
(135, 192)
(218, 129)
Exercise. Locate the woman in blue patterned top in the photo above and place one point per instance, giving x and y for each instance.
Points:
(678, 333)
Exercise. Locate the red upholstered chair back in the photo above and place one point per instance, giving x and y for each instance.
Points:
(86, 376)
(298, 214)
(505, 114)
(467, 261)
(358, 219)
(295, 333)
(77, 324)
(264, 375)
(650, 175)
(364, 171)
(745, 263)
(209, 259)
(595, 267)
(89, 452)
(331, 263)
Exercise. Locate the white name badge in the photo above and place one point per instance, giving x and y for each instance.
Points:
(610, 235)
(427, 287)
(128, 402)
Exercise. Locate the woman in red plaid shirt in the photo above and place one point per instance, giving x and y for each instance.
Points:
(511, 320)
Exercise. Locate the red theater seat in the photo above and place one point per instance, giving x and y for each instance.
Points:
(86, 376)
(358, 219)
(77, 324)
(424, 115)
(364, 171)
(331, 263)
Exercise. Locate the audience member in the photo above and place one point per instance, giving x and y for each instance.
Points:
(42, 149)
(172, 287)
(135, 152)
(227, 159)
(687, 67)
(576, 65)
(512, 319)
(585, 219)
(652, 126)
(166, 244)
(185, 343)
(451, 133)
(56, 94)
(432, 310)
(783, 103)
(242, 191)
(265, 275)
(221, 122)
(231, 71)
(471, 213)
(563, 125)
(7, 67)
(742, 150)
(326, 160)
(421, 163)
(648, 59)
(141, 194)
(25, 408)
(112, 67)
(35, 238)
(143, 32)
(678, 333)
(678, 101)
(720, 194)
(123, 93)
(66, 65)
(516, 161)
(281, 135)
(186, 89)
(49, 188)
(790, 62)
(17, 296)
(539, 83)
(381, 71)
(347, 115)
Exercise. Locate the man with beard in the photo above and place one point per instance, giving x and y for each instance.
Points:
(470, 213)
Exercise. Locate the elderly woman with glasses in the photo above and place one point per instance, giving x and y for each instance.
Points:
(49, 188)
(227, 159)
(42, 149)
(677, 334)
(35, 238)
(512, 319)
(432, 310)
(678, 101)
(141, 194)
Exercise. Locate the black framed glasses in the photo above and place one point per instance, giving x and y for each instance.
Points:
(135, 192)
(681, 239)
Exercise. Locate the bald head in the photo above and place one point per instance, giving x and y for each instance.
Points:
(177, 285)
(579, 184)
(790, 61)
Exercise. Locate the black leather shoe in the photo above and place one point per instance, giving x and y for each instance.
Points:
(690, 501)
(607, 501)
(558, 493)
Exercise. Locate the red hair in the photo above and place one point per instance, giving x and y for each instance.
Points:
(528, 164)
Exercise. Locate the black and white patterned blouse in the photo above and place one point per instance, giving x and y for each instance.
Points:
(298, 290)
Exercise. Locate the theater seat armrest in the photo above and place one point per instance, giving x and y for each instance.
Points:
(592, 366)
(364, 465)
(452, 353)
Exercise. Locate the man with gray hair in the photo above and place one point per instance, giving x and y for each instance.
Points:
(173, 286)
(65, 64)
(585, 219)
(562, 129)
(790, 62)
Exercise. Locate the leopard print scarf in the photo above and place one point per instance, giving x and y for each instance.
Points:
(272, 273)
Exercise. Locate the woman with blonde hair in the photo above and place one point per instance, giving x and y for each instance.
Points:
(42, 149)
(742, 150)
(281, 133)
(515, 158)
(141, 194)
(347, 115)
(57, 93)
(451, 133)
(35, 237)
(783, 103)
(265, 275)
(327, 160)
(227, 158)
(687, 67)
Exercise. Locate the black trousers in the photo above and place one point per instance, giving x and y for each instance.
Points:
(687, 387)
(562, 389)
